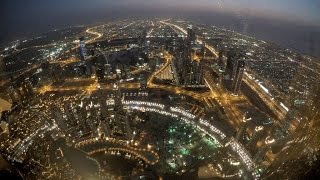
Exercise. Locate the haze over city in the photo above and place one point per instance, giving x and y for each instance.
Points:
(289, 23)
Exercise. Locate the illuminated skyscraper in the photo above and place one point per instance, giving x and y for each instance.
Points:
(195, 75)
(236, 84)
(117, 96)
(221, 58)
(187, 72)
(181, 62)
(82, 49)
(142, 39)
(232, 59)
(191, 35)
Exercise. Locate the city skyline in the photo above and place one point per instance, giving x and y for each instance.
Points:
(146, 89)
(291, 24)
(102, 93)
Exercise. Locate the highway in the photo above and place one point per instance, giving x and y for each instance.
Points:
(98, 35)
(174, 89)
(93, 85)
(279, 111)
(224, 99)
(21, 71)
(234, 115)
(211, 49)
(89, 31)
(168, 58)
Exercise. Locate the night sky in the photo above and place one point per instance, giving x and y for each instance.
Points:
(21, 18)
(301, 10)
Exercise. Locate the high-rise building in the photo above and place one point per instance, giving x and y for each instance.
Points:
(190, 41)
(117, 97)
(237, 80)
(142, 38)
(232, 59)
(82, 49)
(221, 58)
(187, 72)
(100, 72)
(195, 74)
(180, 63)
(191, 35)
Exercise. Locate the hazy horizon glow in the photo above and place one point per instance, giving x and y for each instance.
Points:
(292, 10)
(20, 17)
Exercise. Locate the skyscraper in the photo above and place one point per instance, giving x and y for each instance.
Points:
(117, 96)
(82, 49)
(236, 84)
(195, 75)
(221, 58)
(187, 72)
(230, 60)
(233, 56)
(181, 62)
(142, 38)
(191, 35)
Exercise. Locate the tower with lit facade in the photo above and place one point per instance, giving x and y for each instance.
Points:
(82, 49)
(191, 35)
(238, 75)
(232, 61)
(187, 73)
